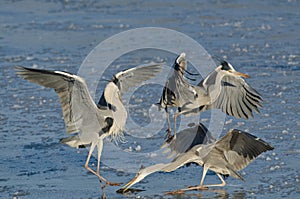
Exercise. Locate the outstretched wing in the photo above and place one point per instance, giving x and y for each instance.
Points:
(134, 76)
(236, 98)
(241, 148)
(80, 113)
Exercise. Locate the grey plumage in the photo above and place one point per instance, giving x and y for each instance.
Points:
(222, 89)
(92, 122)
(227, 156)
(188, 138)
(177, 90)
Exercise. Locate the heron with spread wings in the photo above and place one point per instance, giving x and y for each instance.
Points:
(224, 89)
(226, 156)
(93, 122)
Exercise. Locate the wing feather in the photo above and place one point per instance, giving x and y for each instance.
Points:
(241, 148)
(80, 113)
(134, 76)
(190, 137)
(237, 98)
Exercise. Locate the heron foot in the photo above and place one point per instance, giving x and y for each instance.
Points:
(171, 138)
(182, 191)
(168, 135)
(176, 192)
(112, 183)
(197, 188)
(107, 183)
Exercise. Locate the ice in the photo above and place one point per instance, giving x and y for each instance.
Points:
(138, 148)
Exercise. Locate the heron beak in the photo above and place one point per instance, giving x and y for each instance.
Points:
(126, 187)
(240, 74)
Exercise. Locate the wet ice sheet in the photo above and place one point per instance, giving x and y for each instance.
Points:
(259, 38)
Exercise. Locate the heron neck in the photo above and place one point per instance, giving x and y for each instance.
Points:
(213, 83)
(112, 96)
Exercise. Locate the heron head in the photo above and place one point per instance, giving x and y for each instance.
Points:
(229, 70)
(141, 174)
(180, 62)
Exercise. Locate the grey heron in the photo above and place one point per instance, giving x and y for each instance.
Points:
(177, 91)
(93, 122)
(224, 89)
(226, 157)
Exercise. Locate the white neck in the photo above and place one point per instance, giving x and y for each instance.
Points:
(113, 96)
(214, 90)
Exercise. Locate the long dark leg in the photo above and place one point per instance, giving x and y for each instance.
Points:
(169, 130)
(175, 120)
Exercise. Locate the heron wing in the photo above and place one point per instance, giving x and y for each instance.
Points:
(185, 92)
(188, 138)
(80, 113)
(236, 98)
(241, 148)
(134, 76)
(177, 91)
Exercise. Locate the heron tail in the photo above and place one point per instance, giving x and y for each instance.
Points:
(73, 141)
(234, 173)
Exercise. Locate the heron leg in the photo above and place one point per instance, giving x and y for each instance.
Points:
(97, 173)
(200, 187)
(218, 185)
(88, 160)
(205, 169)
(175, 120)
(100, 147)
(169, 130)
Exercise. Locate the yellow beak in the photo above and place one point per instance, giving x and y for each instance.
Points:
(126, 187)
(240, 74)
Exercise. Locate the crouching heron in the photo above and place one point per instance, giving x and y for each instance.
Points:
(226, 157)
(224, 89)
(93, 122)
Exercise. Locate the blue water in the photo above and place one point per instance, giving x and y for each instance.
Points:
(260, 38)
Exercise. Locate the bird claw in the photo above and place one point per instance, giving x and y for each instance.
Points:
(176, 192)
(197, 188)
(168, 135)
(182, 191)
(112, 183)
(170, 138)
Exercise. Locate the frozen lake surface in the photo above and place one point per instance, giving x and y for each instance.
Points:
(260, 38)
